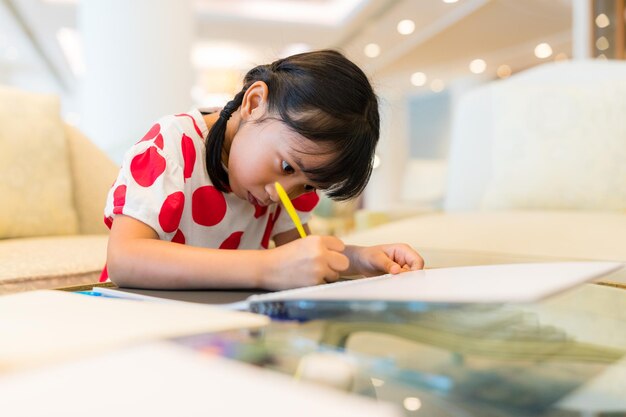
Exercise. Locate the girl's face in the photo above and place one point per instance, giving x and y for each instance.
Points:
(262, 153)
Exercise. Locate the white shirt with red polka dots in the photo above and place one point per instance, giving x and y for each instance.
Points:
(163, 183)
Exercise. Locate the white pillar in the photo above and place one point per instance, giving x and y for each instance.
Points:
(581, 29)
(138, 67)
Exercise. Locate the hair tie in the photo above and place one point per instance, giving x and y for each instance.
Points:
(225, 114)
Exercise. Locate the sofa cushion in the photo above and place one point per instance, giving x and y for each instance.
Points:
(559, 147)
(473, 134)
(35, 179)
(550, 235)
(51, 262)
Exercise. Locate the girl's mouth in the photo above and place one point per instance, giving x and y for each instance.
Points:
(252, 200)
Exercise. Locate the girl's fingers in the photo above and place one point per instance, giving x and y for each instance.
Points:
(338, 261)
(392, 267)
(405, 255)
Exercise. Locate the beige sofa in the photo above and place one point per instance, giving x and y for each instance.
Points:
(537, 172)
(53, 183)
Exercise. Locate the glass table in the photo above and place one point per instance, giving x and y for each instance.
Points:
(564, 356)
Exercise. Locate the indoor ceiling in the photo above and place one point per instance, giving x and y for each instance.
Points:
(447, 35)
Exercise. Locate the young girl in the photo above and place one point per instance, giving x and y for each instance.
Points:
(198, 184)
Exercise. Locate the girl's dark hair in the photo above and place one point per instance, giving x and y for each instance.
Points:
(325, 98)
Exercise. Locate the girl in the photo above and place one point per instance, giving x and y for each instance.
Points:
(198, 184)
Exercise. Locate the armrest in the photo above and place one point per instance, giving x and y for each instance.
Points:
(93, 174)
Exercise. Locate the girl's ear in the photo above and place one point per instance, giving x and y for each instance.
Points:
(254, 102)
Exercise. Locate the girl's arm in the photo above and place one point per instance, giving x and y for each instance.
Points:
(137, 258)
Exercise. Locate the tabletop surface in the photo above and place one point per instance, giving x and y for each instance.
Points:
(559, 357)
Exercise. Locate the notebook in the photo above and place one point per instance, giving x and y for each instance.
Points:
(39, 327)
(510, 283)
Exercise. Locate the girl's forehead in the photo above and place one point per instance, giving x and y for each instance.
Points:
(305, 152)
(299, 144)
(311, 153)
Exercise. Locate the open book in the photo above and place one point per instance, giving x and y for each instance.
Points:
(511, 283)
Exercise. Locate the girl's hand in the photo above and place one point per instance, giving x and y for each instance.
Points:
(304, 262)
(384, 259)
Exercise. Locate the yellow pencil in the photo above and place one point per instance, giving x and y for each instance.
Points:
(290, 209)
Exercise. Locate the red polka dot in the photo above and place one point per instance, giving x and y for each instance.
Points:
(208, 206)
(119, 199)
(259, 211)
(179, 237)
(147, 167)
(232, 241)
(306, 202)
(154, 130)
(171, 211)
(189, 155)
(158, 142)
(108, 221)
(104, 275)
(271, 220)
(195, 125)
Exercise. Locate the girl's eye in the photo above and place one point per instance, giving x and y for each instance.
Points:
(308, 188)
(288, 169)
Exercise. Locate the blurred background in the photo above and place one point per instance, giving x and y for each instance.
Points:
(118, 65)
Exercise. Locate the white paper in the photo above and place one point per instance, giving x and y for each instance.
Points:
(42, 326)
(512, 283)
(163, 379)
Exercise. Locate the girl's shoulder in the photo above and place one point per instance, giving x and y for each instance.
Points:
(191, 123)
(173, 137)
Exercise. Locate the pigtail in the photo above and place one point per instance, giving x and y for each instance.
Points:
(215, 144)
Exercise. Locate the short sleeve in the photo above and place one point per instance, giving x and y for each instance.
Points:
(149, 188)
(304, 206)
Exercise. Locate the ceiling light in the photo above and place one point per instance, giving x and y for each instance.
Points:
(602, 21)
(543, 50)
(437, 85)
(503, 71)
(371, 50)
(70, 42)
(406, 27)
(450, 1)
(412, 403)
(602, 43)
(478, 66)
(418, 79)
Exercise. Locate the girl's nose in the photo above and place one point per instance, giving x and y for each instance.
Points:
(291, 188)
(270, 189)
